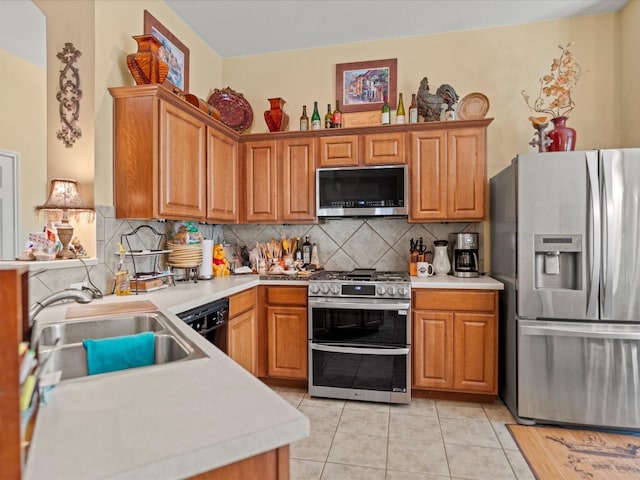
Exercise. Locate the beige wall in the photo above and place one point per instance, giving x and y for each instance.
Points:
(498, 62)
(629, 74)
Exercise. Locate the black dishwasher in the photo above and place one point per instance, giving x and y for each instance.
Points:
(208, 319)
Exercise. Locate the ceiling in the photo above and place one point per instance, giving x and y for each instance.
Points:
(236, 28)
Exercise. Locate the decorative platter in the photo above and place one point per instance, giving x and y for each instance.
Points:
(235, 111)
(473, 107)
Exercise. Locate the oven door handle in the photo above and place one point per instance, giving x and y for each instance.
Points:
(358, 304)
(360, 350)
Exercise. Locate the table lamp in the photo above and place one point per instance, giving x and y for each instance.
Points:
(64, 199)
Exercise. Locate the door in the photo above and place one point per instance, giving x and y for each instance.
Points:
(383, 148)
(428, 174)
(287, 342)
(620, 183)
(475, 352)
(242, 340)
(466, 173)
(297, 180)
(260, 181)
(8, 205)
(222, 177)
(558, 252)
(433, 349)
(582, 373)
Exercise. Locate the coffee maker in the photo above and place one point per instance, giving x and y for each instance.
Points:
(463, 250)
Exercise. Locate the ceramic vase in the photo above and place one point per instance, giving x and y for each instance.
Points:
(145, 65)
(441, 263)
(275, 117)
(563, 138)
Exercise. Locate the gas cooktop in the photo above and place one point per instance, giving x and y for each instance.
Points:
(360, 275)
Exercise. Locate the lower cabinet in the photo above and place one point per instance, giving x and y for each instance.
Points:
(242, 330)
(455, 342)
(283, 332)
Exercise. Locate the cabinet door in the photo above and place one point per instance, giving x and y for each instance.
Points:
(338, 151)
(466, 173)
(222, 177)
(428, 173)
(260, 181)
(287, 342)
(242, 340)
(475, 353)
(181, 172)
(297, 188)
(432, 349)
(383, 149)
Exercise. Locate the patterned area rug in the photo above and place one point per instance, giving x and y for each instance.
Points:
(564, 453)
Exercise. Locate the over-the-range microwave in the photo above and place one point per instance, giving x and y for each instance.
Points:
(362, 191)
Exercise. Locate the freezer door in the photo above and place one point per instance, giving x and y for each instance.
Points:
(579, 373)
(558, 242)
(620, 185)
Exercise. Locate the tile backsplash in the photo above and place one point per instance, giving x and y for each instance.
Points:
(343, 244)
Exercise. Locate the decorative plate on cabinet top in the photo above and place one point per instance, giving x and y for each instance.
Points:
(473, 106)
(235, 111)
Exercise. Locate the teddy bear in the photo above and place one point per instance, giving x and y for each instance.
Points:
(220, 263)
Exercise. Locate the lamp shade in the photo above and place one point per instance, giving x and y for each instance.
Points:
(65, 198)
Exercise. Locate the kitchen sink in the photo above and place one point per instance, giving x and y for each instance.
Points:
(77, 331)
(60, 344)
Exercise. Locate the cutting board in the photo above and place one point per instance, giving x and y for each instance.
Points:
(81, 311)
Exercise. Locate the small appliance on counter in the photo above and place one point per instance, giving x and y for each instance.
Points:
(463, 250)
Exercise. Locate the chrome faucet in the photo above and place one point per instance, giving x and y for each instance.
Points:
(80, 296)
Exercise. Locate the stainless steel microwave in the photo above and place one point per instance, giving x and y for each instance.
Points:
(362, 191)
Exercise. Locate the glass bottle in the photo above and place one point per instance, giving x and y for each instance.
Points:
(386, 112)
(328, 118)
(413, 110)
(297, 253)
(306, 251)
(400, 110)
(315, 118)
(336, 119)
(304, 120)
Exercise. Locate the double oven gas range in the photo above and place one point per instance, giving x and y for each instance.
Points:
(360, 335)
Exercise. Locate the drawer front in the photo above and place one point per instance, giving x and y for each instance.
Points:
(241, 302)
(287, 296)
(455, 300)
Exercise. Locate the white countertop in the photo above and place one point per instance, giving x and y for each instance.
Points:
(162, 422)
(483, 282)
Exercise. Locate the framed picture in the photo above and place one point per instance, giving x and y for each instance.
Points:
(362, 86)
(171, 51)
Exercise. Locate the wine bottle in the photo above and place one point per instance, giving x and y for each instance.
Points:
(336, 120)
(328, 118)
(386, 112)
(400, 110)
(306, 251)
(297, 256)
(304, 120)
(413, 110)
(315, 118)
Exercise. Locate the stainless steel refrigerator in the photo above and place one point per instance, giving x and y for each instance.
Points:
(565, 236)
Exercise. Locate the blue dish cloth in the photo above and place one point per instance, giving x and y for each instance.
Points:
(119, 353)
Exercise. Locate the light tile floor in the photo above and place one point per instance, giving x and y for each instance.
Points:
(427, 440)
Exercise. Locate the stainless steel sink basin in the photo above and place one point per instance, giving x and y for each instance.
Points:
(77, 331)
(60, 344)
(72, 359)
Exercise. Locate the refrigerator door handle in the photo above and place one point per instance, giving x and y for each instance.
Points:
(608, 221)
(595, 245)
(567, 331)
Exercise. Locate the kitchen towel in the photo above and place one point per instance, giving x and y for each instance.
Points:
(119, 353)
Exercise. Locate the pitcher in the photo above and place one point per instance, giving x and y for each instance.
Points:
(441, 263)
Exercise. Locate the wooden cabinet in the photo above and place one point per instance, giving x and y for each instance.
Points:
(283, 332)
(455, 342)
(448, 174)
(222, 177)
(242, 330)
(367, 149)
(280, 180)
(163, 149)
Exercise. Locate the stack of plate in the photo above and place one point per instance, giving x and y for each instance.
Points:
(185, 255)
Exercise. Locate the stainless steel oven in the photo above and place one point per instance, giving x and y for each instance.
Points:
(360, 336)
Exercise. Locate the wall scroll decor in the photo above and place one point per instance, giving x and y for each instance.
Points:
(69, 95)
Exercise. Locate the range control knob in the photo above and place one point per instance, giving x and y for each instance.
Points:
(335, 289)
(324, 289)
(391, 290)
(314, 288)
(403, 291)
(380, 290)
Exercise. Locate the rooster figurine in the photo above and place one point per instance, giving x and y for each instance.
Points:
(429, 105)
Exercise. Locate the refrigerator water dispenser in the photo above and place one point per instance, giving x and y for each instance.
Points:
(557, 261)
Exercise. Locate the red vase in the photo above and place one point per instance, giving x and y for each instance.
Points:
(276, 119)
(563, 138)
(145, 65)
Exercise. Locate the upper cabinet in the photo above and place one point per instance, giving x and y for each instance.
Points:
(366, 149)
(448, 173)
(171, 161)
